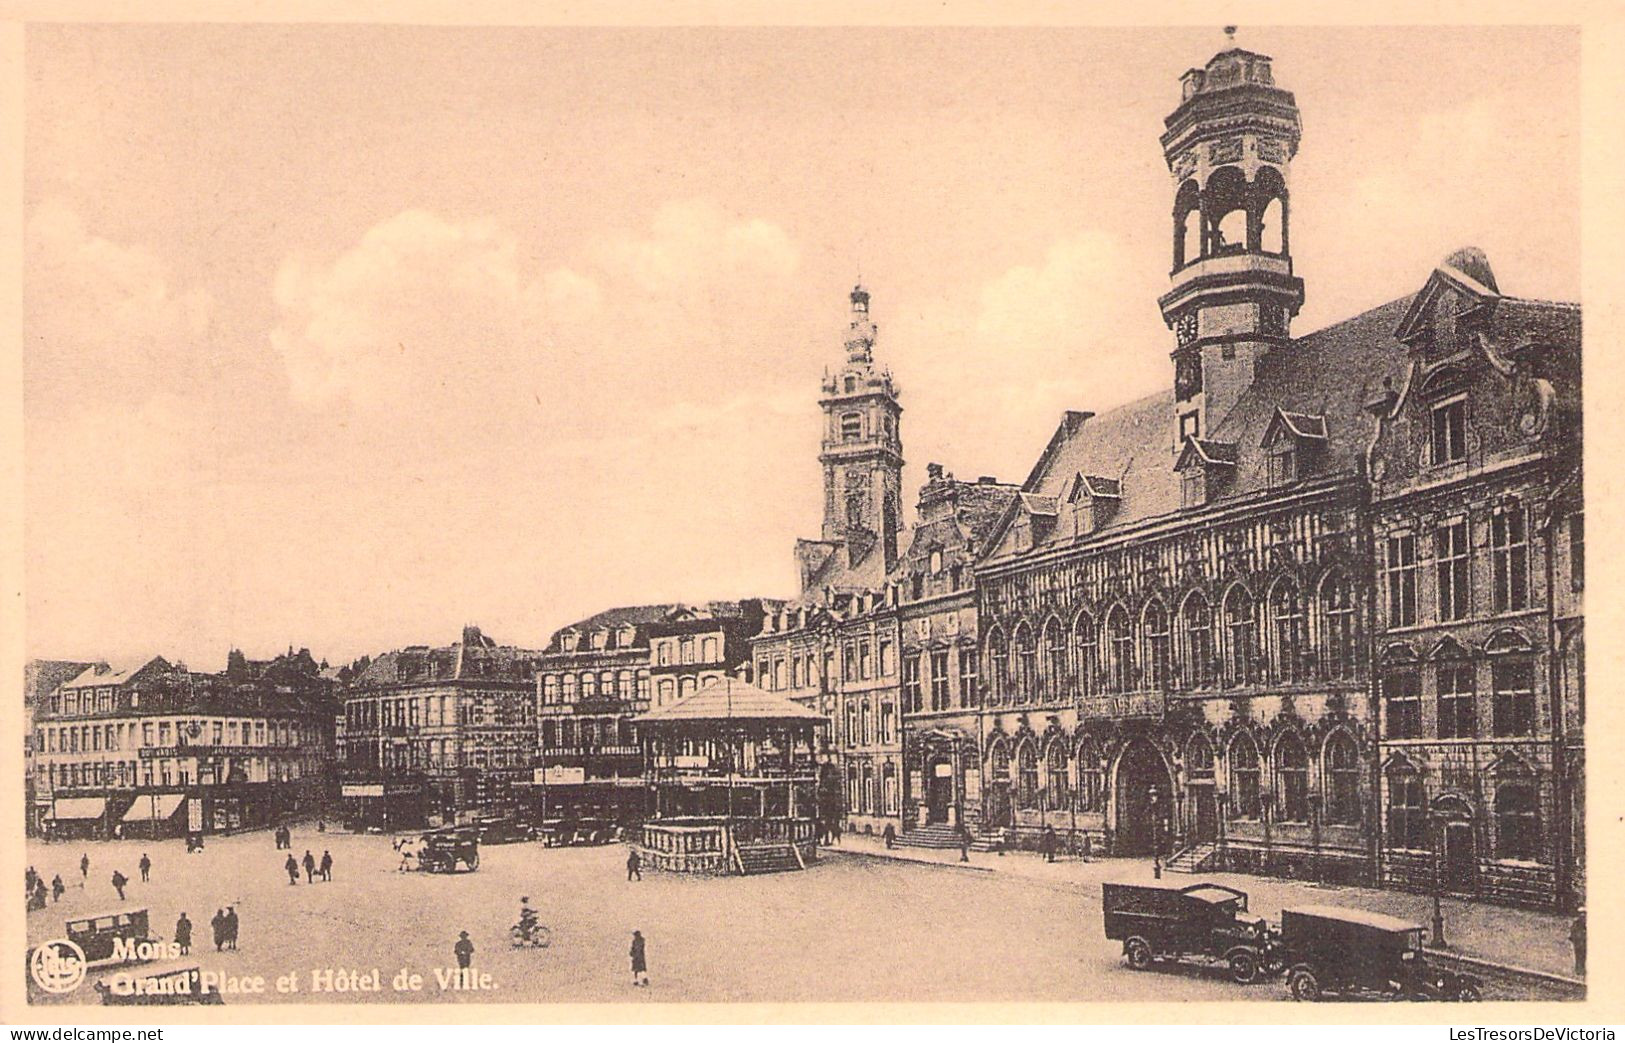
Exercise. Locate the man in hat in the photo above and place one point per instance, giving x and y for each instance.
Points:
(183, 934)
(464, 950)
(640, 960)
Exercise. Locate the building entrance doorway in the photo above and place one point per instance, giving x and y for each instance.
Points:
(1206, 819)
(1143, 798)
(939, 790)
(1460, 858)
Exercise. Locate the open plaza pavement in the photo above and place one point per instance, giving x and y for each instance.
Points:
(863, 924)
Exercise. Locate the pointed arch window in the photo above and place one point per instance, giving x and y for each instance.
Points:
(1196, 629)
(1292, 779)
(1090, 794)
(1056, 776)
(1026, 664)
(1244, 777)
(1287, 632)
(1026, 775)
(1199, 759)
(1241, 637)
(1342, 780)
(1083, 636)
(1337, 639)
(998, 763)
(1158, 654)
(998, 665)
(1118, 640)
(1055, 659)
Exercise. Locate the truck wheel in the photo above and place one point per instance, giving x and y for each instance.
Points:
(1303, 984)
(1468, 993)
(1138, 951)
(1243, 968)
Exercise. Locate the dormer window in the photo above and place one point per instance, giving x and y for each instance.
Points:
(1193, 487)
(567, 641)
(936, 562)
(1448, 431)
(1204, 466)
(600, 638)
(851, 383)
(1292, 444)
(1284, 462)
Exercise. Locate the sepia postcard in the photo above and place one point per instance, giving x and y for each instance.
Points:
(520, 516)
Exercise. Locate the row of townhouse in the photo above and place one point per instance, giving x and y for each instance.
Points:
(152, 748)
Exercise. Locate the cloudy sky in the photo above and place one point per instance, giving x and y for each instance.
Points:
(348, 336)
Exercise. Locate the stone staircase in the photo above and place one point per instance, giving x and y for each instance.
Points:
(1194, 859)
(938, 837)
(767, 858)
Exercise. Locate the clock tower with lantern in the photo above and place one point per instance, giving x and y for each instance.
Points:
(1229, 146)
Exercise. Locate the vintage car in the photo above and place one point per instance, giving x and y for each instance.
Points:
(111, 937)
(570, 832)
(1351, 951)
(1205, 922)
(504, 831)
(443, 850)
(167, 985)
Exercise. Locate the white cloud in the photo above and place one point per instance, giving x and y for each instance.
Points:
(436, 320)
(1074, 329)
(103, 320)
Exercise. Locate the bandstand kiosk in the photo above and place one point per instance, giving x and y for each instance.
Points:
(734, 776)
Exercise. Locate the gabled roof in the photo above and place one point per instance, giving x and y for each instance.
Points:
(1329, 374)
(1298, 425)
(1041, 505)
(1207, 452)
(115, 673)
(731, 699)
(1466, 271)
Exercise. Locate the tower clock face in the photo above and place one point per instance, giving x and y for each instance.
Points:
(1185, 330)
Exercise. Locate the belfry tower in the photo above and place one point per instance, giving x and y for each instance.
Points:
(1229, 146)
(862, 447)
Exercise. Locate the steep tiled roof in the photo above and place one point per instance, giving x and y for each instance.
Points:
(1322, 380)
(456, 662)
(731, 699)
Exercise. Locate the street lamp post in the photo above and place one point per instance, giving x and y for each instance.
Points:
(1438, 941)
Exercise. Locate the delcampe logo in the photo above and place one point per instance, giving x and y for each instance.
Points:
(58, 965)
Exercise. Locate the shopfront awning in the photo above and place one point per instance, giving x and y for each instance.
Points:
(147, 808)
(79, 807)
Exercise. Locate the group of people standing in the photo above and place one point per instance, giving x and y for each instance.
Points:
(35, 891)
(313, 869)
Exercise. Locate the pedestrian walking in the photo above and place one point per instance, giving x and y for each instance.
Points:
(30, 878)
(464, 950)
(310, 867)
(964, 844)
(57, 887)
(146, 867)
(634, 866)
(889, 835)
(640, 960)
(218, 924)
(293, 870)
(327, 865)
(39, 893)
(84, 867)
(231, 927)
(1047, 842)
(1577, 938)
(119, 880)
(183, 934)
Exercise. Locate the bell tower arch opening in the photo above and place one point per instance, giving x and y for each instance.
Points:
(1229, 147)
